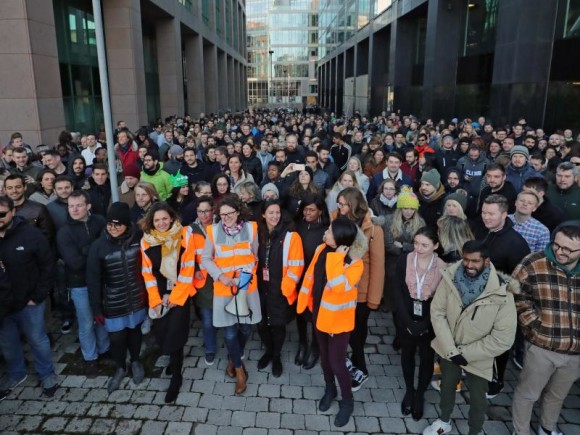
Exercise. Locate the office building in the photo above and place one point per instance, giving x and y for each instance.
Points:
(164, 57)
(283, 48)
(444, 58)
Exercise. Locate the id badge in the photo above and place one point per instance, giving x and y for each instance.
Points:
(169, 285)
(266, 274)
(418, 308)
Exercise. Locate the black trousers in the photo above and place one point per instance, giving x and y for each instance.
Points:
(410, 345)
(358, 336)
(272, 337)
(121, 341)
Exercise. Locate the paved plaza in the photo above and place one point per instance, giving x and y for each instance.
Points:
(207, 405)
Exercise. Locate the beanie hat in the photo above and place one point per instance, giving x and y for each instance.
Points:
(178, 180)
(460, 197)
(175, 151)
(133, 171)
(408, 200)
(432, 177)
(272, 187)
(520, 149)
(119, 213)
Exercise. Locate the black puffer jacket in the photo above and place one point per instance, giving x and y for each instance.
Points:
(74, 241)
(116, 286)
(29, 264)
(311, 235)
(506, 248)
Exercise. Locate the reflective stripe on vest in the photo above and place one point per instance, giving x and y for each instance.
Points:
(337, 307)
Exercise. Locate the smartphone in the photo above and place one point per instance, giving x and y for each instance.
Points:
(299, 167)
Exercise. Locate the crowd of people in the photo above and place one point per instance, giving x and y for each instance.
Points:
(467, 231)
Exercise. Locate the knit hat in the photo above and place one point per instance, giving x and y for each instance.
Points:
(408, 200)
(119, 213)
(178, 180)
(460, 197)
(520, 149)
(272, 187)
(133, 171)
(432, 177)
(175, 151)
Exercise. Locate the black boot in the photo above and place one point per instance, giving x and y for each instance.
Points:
(266, 336)
(276, 366)
(173, 390)
(346, 406)
(418, 403)
(264, 361)
(301, 353)
(407, 403)
(311, 358)
(329, 395)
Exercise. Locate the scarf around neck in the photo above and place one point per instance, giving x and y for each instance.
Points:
(431, 277)
(232, 231)
(470, 288)
(170, 242)
(388, 202)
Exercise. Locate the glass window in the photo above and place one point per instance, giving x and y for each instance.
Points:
(480, 27)
(572, 19)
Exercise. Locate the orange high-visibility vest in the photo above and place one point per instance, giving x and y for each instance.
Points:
(183, 288)
(292, 265)
(232, 259)
(338, 303)
(198, 242)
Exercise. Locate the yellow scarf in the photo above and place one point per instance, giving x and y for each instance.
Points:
(170, 242)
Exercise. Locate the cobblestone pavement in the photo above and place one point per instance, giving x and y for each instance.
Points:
(207, 405)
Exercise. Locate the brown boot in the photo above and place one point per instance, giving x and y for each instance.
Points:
(241, 378)
(230, 369)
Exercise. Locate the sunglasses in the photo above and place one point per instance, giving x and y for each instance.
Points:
(3, 214)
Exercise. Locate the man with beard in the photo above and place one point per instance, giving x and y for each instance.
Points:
(474, 318)
(192, 168)
(154, 174)
(565, 193)
(496, 185)
(549, 316)
(100, 190)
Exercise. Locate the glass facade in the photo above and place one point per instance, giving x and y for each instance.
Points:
(151, 73)
(283, 47)
(79, 73)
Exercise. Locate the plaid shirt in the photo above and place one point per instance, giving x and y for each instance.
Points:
(548, 304)
(536, 234)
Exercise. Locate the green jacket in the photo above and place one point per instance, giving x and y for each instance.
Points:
(160, 179)
(481, 331)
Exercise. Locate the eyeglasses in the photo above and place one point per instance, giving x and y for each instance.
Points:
(341, 204)
(565, 250)
(390, 189)
(204, 212)
(227, 215)
(115, 225)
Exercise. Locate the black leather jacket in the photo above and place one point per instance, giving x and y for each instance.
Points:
(116, 286)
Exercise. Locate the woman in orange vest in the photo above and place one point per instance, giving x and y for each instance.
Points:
(329, 291)
(280, 267)
(230, 252)
(202, 282)
(167, 267)
(352, 205)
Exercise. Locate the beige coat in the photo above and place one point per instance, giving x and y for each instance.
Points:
(481, 331)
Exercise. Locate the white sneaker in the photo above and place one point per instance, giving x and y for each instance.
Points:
(438, 427)
(146, 326)
(349, 366)
(541, 431)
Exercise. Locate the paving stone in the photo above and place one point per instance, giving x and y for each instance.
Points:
(31, 407)
(55, 424)
(79, 425)
(103, 426)
(314, 393)
(205, 429)
(267, 390)
(126, 427)
(366, 424)
(198, 415)
(170, 413)
(257, 404)
(97, 395)
(269, 420)
(202, 386)
(219, 417)
(76, 394)
(9, 406)
(29, 423)
(373, 409)
(301, 406)
(281, 405)
(243, 419)
(291, 392)
(179, 428)
(155, 427)
(148, 412)
(123, 411)
(392, 425)
(317, 422)
(120, 396)
(77, 409)
(100, 410)
(235, 403)
(292, 421)
(211, 401)
(495, 428)
(255, 431)
(73, 381)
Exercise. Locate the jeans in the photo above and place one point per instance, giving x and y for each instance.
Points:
(236, 337)
(29, 322)
(93, 337)
(209, 332)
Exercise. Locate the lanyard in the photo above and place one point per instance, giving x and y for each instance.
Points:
(267, 260)
(421, 280)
